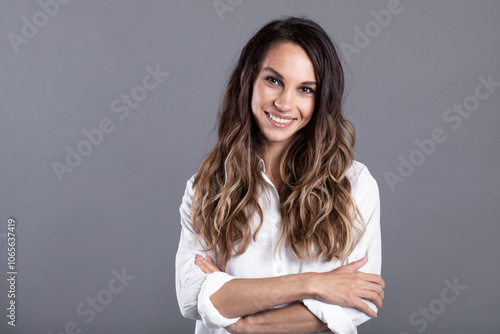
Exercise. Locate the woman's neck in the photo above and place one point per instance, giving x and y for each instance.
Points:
(272, 158)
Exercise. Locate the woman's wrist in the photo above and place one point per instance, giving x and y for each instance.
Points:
(310, 290)
(292, 318)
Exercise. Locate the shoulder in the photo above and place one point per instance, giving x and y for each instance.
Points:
(190, 182)
(189, 191)
(361, 179)
(359, 173)
(365, 192)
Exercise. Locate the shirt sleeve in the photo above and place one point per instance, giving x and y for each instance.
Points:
(343, 320)
(193, 287)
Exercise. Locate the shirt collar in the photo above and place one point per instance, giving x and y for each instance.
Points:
(261, 167)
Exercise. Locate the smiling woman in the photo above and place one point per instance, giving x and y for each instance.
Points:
(283, 95)
(280, 226)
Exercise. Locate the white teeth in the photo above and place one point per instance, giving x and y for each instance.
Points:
(279, 120)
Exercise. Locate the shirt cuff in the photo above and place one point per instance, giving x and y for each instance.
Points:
(333, 316)
(209, 314)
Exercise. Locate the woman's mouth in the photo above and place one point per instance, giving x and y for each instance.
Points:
(278, 121)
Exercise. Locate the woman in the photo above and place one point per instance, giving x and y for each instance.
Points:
(280, 204)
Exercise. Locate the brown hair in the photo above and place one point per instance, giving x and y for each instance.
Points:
(316, 206)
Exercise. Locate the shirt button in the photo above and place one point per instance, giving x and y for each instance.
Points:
(278, 270)
(277, 225)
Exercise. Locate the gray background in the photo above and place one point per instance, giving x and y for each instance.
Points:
(119, 207)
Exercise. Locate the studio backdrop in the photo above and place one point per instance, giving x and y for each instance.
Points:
(108, 107)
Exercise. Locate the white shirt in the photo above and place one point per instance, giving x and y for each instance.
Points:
(194, 287)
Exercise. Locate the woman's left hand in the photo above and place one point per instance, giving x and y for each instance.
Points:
(206, 264)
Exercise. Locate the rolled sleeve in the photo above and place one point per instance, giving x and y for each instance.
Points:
(193, 287)
(209, 314)
(333, 315)
(188, 279)
(343, 320)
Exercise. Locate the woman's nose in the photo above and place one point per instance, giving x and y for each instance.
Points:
(284, 101)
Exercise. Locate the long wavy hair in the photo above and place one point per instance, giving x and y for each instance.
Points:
(317, 210)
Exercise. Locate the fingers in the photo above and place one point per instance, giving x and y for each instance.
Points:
(356, 265)
(211, 264)
(346, 286)
(199, 261)
(372, 296)
(373, 278)
(353, 266)
(206, 264)
(362, 295)
(363, 307)
(371, 291)
(357, 277)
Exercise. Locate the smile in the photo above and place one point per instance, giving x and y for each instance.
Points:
(278, 120)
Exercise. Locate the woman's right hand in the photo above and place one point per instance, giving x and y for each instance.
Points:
(206, 264)
(346, 286)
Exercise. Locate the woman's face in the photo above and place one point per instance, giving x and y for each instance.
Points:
(283, 94)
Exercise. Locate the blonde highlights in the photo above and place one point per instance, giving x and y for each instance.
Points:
(317, 209)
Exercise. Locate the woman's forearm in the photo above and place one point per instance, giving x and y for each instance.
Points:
(343, 286)
(240, 297)
(295, 318)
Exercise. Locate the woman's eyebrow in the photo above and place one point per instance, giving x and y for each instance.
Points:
(279, 76)
(276, 73)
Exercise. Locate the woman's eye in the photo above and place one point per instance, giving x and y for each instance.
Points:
(272, 80)
(307, 90)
